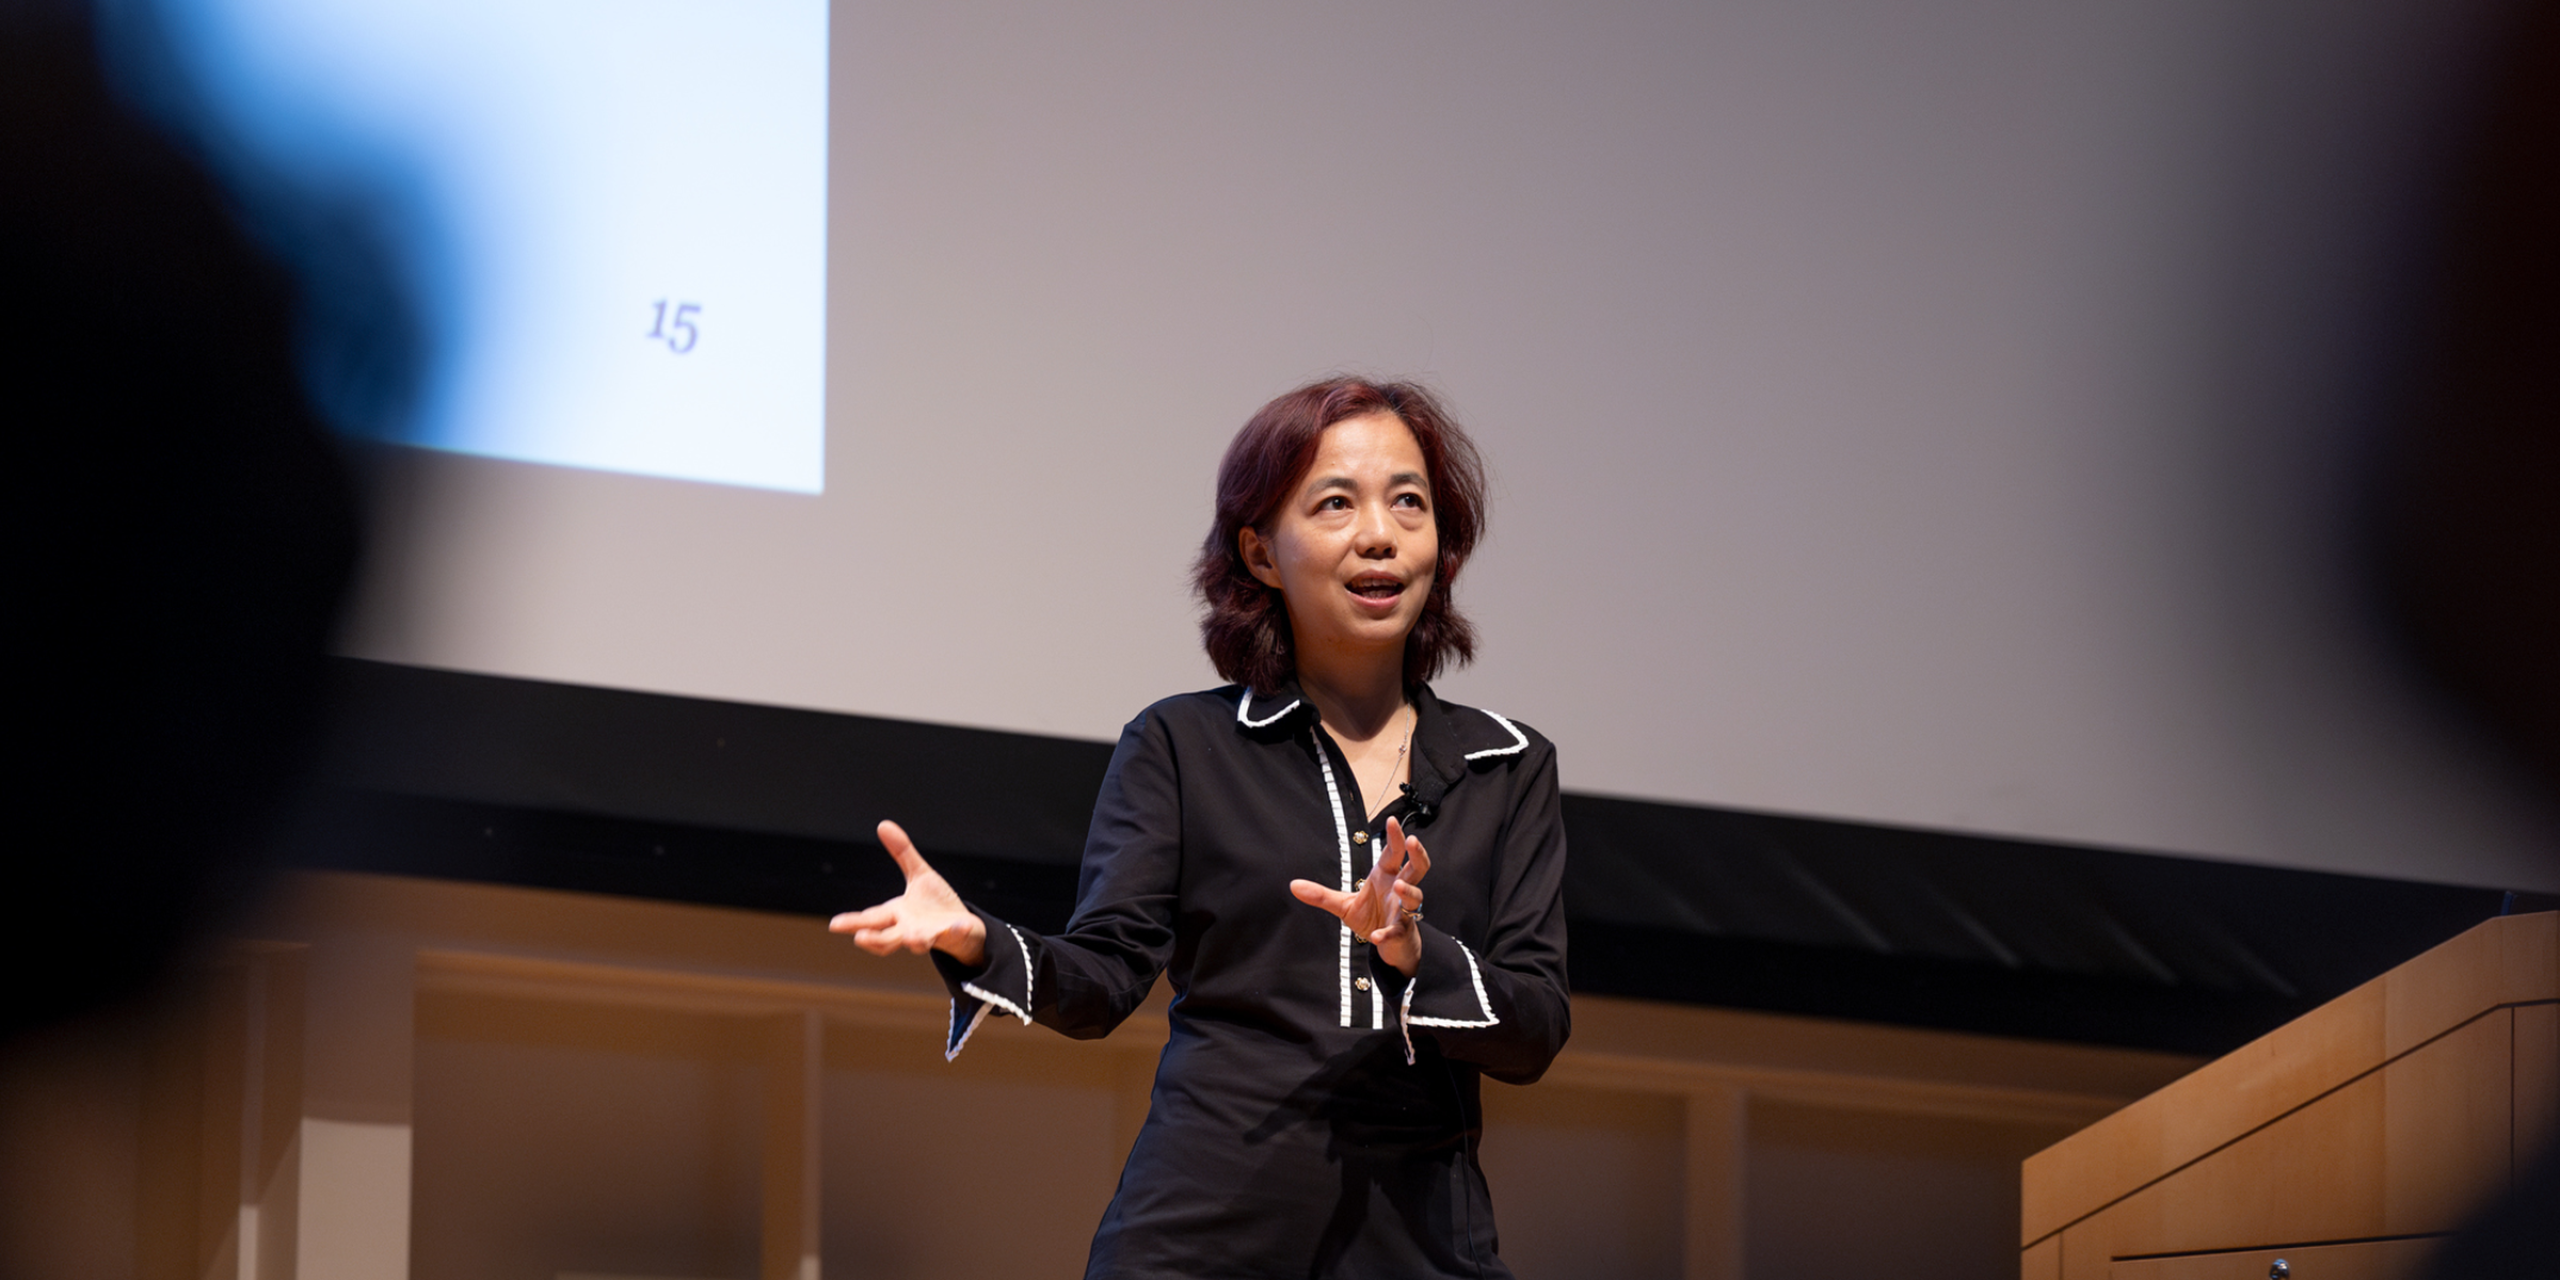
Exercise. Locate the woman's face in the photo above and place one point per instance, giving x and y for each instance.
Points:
(1355, 546)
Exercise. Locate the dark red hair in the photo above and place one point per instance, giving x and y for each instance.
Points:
(1246, 627)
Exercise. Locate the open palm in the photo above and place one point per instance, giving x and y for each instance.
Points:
(927, 917)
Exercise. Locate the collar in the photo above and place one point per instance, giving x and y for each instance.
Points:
(1275, 712)
(1447, 737)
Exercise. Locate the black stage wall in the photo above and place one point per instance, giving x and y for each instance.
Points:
(473, 777)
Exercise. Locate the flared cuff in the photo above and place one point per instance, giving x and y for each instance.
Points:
(1446, 990)
(1002, 983)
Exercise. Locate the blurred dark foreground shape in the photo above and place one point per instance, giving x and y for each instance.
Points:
(182, 531)
(2469, 494)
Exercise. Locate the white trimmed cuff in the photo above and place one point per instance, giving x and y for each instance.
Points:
(1461, 1016)
(1004, 984)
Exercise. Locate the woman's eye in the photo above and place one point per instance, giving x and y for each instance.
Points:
(1335, 503)
(1413, 500)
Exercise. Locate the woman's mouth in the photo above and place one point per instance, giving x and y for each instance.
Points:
(1377, 589)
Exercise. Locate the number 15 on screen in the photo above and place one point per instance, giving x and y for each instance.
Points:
(679, 331)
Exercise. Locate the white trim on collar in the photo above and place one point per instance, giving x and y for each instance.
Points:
(1519, 740)
(1244, 716)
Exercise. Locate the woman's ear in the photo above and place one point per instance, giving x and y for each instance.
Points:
(1257, 557)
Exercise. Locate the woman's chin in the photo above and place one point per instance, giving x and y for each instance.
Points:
(1355, 627)
(1378, 635)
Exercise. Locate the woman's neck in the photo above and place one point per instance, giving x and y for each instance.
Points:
(1357, 700)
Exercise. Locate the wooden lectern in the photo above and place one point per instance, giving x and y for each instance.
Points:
(2346, 1142)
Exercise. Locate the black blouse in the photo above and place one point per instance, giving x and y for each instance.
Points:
(1314, 1113)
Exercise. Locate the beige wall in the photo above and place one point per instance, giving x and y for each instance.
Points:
(411, 1078)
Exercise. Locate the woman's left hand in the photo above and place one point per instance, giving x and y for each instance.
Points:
(1386, 904)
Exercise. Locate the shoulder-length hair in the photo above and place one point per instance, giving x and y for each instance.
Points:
(1246, 627)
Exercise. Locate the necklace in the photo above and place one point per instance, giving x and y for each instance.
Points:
(1397, 766)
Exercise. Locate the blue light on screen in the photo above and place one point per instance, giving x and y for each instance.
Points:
(613, 212)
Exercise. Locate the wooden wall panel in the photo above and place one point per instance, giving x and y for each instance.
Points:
(1004, 1157)
(2444, 986)
(2532, 954)
(2537, 1079)
(2392, 1111)
(1839, 1192)
(2374, 1260)
(2041, 1260)
(675, 1136)
(2307, 1176)
(2251, 1086)
(793, 1144)
(2405, 1150)
(2447, 1127)
(1594, 1182)
(2085, 1255)
(555, 1137)
(1715, 1162)
(2314, 1175)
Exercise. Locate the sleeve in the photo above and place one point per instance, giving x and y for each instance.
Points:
(1501, 1003)
(1085, 981)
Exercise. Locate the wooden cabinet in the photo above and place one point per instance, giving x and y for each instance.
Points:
(2371, 1260)
(2345, 1142)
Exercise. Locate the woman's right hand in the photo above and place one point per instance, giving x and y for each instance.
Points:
(1387, 903)
(927, 917)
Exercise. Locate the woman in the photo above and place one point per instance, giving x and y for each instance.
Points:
(1315, 1110)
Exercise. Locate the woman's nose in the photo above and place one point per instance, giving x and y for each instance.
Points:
(1377, 532)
